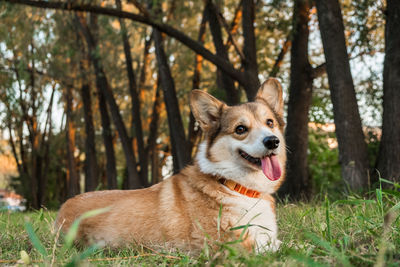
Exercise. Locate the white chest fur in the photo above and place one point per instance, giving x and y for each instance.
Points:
(259, 216)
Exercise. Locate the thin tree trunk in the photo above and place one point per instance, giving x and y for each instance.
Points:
(388, 162)
(152, 144)
(146, 62)
(34, 137)
(194, 133)
(224, 80)
(278, 62)
(300, 94)
(72, 174)
(111, 172)
(250, 50)
(180, 148)
(91, 166)
(137, 121)
(45, 149)
(102, 82)
(352, 148)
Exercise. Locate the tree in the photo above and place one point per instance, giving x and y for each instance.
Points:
(224, 80)
(91, 166)
(72, 174)
(352, 147)
(250, 64)
(133, 180)
(179, 145)
(388, 162)
(300, 93)
(136, 120)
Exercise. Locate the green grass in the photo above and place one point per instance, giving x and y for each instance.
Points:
(351, 232)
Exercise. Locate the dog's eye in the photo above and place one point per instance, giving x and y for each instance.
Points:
(240, 129)
(270, 123)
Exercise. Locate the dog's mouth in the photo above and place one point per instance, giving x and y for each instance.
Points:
(252, 160)
(268, 163)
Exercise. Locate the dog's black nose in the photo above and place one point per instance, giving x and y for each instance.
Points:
(271, 142)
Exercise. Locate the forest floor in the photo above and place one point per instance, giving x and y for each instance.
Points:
(351, 232)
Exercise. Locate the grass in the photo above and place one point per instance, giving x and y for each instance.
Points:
(350, 232)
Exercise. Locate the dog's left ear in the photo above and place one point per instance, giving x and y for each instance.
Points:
(271, 92)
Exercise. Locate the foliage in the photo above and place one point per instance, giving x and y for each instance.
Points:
(324, 163)
(323, 157)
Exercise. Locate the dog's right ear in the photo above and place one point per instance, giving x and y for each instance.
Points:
(206, 109)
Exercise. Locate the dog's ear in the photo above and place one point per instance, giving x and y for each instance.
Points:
(271, 92)
(206, 109)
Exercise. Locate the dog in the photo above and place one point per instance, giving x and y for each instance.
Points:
(225, 195)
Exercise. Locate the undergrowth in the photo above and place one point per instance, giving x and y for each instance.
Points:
(355, 231)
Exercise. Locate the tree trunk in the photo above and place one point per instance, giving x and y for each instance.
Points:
(137, 121)
(111, 171)
(45, 149)
(224, 81)
(300, 94)
(352, 148)
(194, 133)
(72, 174)
(250, 51)
(180, 148)
(388, 162)
(152, 144)
(102, 83)
(278, 62)
(91, 166)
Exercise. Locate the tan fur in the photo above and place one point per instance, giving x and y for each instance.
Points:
(181, 210)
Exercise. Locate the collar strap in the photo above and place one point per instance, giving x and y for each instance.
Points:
(239, 188)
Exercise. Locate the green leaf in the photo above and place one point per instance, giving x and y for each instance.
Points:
(354, 201)
(35, 240)
(394, 208)
(219, 221)
(73, 230)
(328, 222)
(81, 256)
(389, 182)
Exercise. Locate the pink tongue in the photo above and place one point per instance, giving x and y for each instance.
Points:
(271, 168)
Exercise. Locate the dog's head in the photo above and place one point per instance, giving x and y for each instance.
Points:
(243, 143)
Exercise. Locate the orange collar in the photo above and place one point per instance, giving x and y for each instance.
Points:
(239, 188)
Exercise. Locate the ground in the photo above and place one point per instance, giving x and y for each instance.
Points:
(351, 232)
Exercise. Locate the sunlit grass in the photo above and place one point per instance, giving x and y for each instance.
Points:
(354, 231)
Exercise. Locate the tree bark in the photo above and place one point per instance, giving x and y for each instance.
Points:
(152, 144)
(224, 81)
(250, 50)
(388, 162)
(111, 171)
(133, 90)
(45, 149)
(72, 174)
(193, 132)
(352, 148)
(300, 94)
(179, 144)
(91, 166)
(102, 83)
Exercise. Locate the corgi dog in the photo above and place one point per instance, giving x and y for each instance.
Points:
(225, 195)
